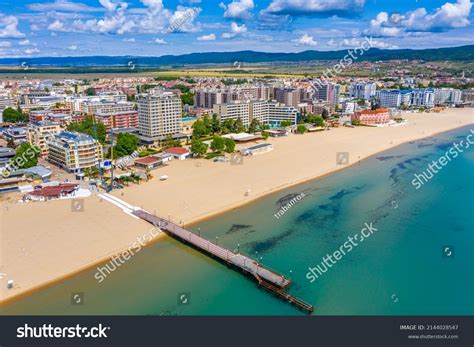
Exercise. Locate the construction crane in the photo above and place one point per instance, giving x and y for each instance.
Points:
(100, 161)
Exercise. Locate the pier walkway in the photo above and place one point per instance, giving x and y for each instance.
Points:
(266, 278)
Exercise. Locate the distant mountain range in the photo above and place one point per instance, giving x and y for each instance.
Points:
(463, 53)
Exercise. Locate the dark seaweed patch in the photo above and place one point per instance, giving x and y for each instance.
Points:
(265, 245)
(389, 157)
(237, 227)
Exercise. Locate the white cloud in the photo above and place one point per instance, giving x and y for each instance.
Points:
(160, 41)
(24, 43)
(9, 27)
(57, 26)
(5, 44)
(448, 16)
(62, 5)
(129, 40)
(182, 20)
(210, 37)
(314, 7)
(306, 40)
(239, 9)
(235, 30)
(108, 5)
(32, 50)
(72, 48)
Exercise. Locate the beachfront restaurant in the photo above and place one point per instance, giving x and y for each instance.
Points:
(257, 149)
(148, 163)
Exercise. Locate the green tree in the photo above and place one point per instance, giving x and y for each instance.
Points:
(170, 142)
(90, 91)
(227, 126)
(126, 145)
(239, 126)
(92, 172)
(229, 145)
(265, 135)
(286, 123)
(26, 156)
(199, 129)
(218, 144)
(187, 98)
(87, 127)
(11, 115)
(216, 124)
(301, 129)
(198, 147)
(315, 120)
(254, 125)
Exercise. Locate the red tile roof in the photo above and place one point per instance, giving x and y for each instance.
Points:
(147, 160)
(177, 150)
(65, 188)
(379, 110)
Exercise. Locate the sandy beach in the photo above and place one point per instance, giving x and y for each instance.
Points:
(44, 242)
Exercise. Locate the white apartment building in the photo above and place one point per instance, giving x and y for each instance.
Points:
(159, 115)
(73, 151)
(104, 106)
(422, 97)
(6, 101)
(393, 98)
(266, 112)
(39, 132)
(234, 110)
(363, 90)
(446, 96)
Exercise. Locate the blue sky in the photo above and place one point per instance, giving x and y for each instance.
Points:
(31, 28)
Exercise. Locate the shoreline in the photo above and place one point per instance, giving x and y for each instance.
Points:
(215, 213)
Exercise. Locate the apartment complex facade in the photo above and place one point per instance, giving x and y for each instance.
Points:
(39, 132)
(118, 120)
(393, 98)
(266, 112)
(422, 97)
(362, 90)
(447, 96)
(73, 151)
(159, 115)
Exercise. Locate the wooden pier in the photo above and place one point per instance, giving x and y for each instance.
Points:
(266, 278)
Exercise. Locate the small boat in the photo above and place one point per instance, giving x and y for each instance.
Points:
(163, 178)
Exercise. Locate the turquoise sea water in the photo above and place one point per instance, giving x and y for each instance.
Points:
(402, 269)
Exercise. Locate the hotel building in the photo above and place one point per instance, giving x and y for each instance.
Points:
(73, 151)
(372, 117)
(422, 97)
(118, 120)
(39, 132)
(362, 90)
(446, 96)
(266, 112)
(393, 98)
(159, 116)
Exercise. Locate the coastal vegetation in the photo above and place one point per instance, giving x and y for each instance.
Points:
(11, 115)
(96, 130)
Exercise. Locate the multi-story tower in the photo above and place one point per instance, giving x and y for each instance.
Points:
(393, 98)
(362, 90)
(159, 115)
(422, 97)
